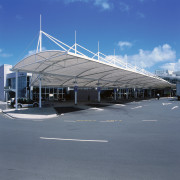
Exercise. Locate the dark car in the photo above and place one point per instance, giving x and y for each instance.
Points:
(22, 102)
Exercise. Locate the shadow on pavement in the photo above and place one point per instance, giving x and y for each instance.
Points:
(61, 110)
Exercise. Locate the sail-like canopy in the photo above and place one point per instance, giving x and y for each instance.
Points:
(64, 68)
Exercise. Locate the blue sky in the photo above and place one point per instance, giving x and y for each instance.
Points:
(142, 32)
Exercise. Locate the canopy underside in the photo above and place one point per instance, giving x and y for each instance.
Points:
(61, 68)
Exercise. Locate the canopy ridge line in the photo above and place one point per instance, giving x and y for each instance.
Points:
(85, 65)
(113, 60)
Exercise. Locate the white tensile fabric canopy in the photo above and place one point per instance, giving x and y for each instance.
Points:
(66, 69)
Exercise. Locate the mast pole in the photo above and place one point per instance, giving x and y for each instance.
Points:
(75, 44)
(40, 37)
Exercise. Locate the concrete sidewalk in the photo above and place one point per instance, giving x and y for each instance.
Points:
(31, 113)
(48, 111)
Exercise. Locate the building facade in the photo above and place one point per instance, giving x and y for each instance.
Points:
(170, 76)
(25, 90)
(5, 69)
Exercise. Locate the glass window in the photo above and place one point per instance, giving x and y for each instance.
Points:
(51, 90)
(55, 90)
(47, 96)
(55, 96)
(43, 90)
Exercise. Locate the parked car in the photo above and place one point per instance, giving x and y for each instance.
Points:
(22, 102)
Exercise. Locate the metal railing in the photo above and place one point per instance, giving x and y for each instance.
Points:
(111, 60)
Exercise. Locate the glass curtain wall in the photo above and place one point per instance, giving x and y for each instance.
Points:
(48, 93)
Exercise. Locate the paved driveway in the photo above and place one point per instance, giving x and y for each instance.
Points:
(134, 141)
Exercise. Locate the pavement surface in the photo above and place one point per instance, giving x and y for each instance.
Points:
(133, 141)
(31, 113)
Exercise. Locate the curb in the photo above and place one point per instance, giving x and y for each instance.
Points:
(7, 115)
(15, 117)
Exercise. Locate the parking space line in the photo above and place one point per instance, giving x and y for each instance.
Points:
(174, 107)
(99, 109)
(85, 120)
(69, 121)
(137, 107)
(166, 104)
(80, 140)
(120, 105)
(110, 121)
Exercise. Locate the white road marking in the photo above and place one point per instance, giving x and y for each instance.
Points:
(175, 107)
(80, 140)
(137, 107)
(111, 121)
(165, 104)
(120, 105)
(69, 121)
(85, 120)
(135, 102)
(99, 109)
(149, 120)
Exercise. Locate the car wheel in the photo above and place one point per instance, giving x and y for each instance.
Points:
(19, 106)
(35, 105)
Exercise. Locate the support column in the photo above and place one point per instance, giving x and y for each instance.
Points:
(170, 92)
(127, 93)
(40, 92)
(135, 93)
(119, 92)
(115, 92)
(143, 92)
(16, 90)
(99, 94)
(138, 93)
(150, 93)
(31, 92)
(6, 95)
(75, 94)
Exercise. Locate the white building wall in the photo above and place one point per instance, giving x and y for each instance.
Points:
(4, 70)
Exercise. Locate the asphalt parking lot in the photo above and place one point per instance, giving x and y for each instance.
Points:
(133, 141)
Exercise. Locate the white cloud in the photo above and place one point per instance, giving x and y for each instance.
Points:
(140, 15)
(124, 7)
(4, 55)
(103, 4)
(175, 66)
(31, 52)
(123, 44)
(147, 59)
